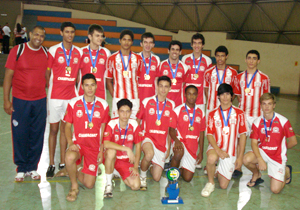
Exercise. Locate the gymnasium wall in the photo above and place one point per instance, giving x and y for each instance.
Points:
(12, 9)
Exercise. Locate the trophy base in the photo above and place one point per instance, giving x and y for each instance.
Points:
(166, 200)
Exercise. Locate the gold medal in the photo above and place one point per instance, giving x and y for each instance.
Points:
(174, 81)
(196, 76)
(247, 90)
(191, 128)
(68, 68)
(158, 122)
(125, 73)
(90, 125)
(147, 76)
(94, 69)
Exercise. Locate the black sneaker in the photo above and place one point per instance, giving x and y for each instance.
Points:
(237, 174)
(50, 171)
(61, 166)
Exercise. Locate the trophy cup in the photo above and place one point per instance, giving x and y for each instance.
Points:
(173, 175)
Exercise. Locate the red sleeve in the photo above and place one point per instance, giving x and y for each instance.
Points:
(206, 79)
(266, 83)
(69, 114)
(254, 132)
(50, 60)
(138, 135)
(210, 65)
(140, 66)
(173, 121)
(243, 123)
(140, 114)
(203, 124)
(109, 68)
(236, 86)
(160, 72)
(108, 133)
(288, 130)
(106, 117)
(11, 62)
(210, 129)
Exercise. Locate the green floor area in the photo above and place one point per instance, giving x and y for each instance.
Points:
(51, 194)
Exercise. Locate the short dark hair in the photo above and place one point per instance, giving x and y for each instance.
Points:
(175, 42)
(95, 27)
(88, 76)
(127, 32)
(39, 27)
(147, 35)
(225, 88)
(198, 36)
(164, 78)
(222, 49)
(253, 52)
(191, 86)
(66, 24)
(124, 102)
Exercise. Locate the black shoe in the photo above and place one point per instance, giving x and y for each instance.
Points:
(167, 166)
(50, 171)
(236, 174)
(61, 166)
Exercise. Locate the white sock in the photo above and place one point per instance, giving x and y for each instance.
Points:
(144, 173)
(108, 179)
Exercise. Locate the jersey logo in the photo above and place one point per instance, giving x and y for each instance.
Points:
(179, 74)
(151, 111)
(75, 61)
(218, 123)
(290, 129)
(152, 68)
(92, 167)
(61, 59)
(202, 68)
(165, 72)
(185, 118)
(106, 134)
(97, 114)
(86, 60)
(213, 79)
(79, 113)
(167, 113)
(116, 137)
(257, 84)
(228, 80)
(130, 137)
(232, 121)
(275, 130)
(198, 119)
(101, 61)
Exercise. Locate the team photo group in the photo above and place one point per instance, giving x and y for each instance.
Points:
(161, 112)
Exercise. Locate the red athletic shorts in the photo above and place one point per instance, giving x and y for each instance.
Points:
(90, 159)
(123, 168)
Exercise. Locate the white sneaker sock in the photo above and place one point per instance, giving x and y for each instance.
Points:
(144, 173)
(108, 179)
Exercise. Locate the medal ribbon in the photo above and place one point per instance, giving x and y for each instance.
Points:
(225, 121)
(157, 108)
(121, 133)
(265, 125)
(198, 67)
(173, 73)
(92, 61)
(193, 119)
(125, 67)
(90, 117)
(66, 57)
(220, 81)
(248, 84)
(147, 69)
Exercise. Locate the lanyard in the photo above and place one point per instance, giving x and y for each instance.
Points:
(248, 84)
(220, 81)
(226, 121)
(92, 61)
(125, 133)
(265, 125)
(90, 117)
(198, 67)
(157, 108)
(66, 57)
(147, 69)
(173, 73)
(191, 121)
(125, 67)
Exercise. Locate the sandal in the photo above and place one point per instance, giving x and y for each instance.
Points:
(256, 182)
(289, 179)
(20, 177)
(62, 172)
(34, 175)
(72, 196)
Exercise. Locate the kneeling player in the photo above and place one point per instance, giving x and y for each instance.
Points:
(224, 124)
(190, 131)
(269, 145)
(88, 114)
(119, 136)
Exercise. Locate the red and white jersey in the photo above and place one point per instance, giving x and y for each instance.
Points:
(76, 114)
(28, 82)
(197, 81)
(62, 82)
(147, 87)
(148, 115)
(249, 102)
(275, 145)
(87, 67)
(188, 137)
(212, 83)
(133, 135)
(176, 92)
(124, 86)
(226, 140)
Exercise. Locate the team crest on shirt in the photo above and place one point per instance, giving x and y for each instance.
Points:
(257, 84)
(179, 74)
(290, 129)
(218, 123)
(165, 72)
(86, 60)
(151, 111)
(242, 83)
(61, 59)
(79, 113)
(228, 73)
(167, 113)
(92, 167)
(198, 119)
(228, 80)
(262, 130)
(75, 61)
(130, 137)
(275, 130)
(97, 114)
(152, 68)
(133, 65)
(232, 121)
(185, 118)
(118, 66)
(202, 68)
(116, 137)
(106, 134)
(101, 61)
(213, 79)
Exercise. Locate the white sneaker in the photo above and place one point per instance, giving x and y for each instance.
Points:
(198, 166)
(108, 191)
(143, 183)
(34, 175)
(20, 177)
(208, 189)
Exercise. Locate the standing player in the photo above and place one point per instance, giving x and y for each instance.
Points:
(157, 117)
(25, 74)
(150, 68)
(190, 132)
(249, 87)
(269, 135)
(198, 63)
(63, 65)
(120, 134)
(217, 75)
(88, 114)
(94, 60)
(123, 70)
(225, 123)
(176, 70)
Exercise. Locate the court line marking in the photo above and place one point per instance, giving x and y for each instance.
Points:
(5, 133)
